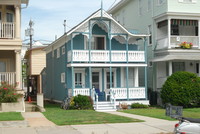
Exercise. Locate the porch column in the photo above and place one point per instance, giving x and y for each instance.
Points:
(111, 77)
(73, 80)
(18, 17)
(136, 82)
(145, 68)
(127, 69)
(18, 67)
(169, 33)
(127, 82)
(71, 48)
(90, 80)
(170, 68)
(199, 33)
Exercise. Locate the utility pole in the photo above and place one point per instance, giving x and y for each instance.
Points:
(64, 24)
(30, 32)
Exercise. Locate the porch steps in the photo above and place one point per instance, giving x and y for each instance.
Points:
(104, 106)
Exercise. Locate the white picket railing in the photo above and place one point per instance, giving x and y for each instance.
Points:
(8, 77)
(104, 56)
(81, 91)
(133, 93)
(7, 30)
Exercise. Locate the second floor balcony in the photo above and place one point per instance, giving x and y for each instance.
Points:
(7, 30)
(179, 31)
(105, 56)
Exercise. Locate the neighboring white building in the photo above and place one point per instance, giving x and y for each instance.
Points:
(170, 22)
(10, 40)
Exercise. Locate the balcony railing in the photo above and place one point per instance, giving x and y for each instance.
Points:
(104, 56)
(7, 30)
(8, 77)
(176, 40)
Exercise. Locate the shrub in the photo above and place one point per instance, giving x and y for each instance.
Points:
(8, 93)
(138, 105)
(181, 88)
(81, 102)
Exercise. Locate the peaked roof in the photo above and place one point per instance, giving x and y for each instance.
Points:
(83, 27)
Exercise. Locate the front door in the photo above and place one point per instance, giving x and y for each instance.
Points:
(96, 83)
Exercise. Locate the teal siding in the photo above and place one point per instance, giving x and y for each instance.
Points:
(118, 46)
(118, 77)
(78, 42)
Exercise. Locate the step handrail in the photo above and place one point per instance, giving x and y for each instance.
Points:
(95, 97)
(112, 98)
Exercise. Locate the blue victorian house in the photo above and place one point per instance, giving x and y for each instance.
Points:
(101, 59)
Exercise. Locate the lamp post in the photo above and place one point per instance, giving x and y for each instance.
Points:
(30, 32)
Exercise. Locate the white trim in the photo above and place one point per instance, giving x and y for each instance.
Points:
(58, 52)
(105, 65)
(62, 77)
(63, 50)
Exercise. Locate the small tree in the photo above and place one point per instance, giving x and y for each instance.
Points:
(182, 88)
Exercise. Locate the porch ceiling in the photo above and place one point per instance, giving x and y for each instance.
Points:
(176, 57)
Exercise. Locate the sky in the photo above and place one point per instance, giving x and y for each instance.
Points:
(49, 15)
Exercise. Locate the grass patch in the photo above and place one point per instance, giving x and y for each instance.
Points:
(76, 117)
(10, 116)
(160, 113)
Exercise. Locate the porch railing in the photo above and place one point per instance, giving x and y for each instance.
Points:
(81, 91)
(131, 93)
(7, 30)
(163, 43)
(8, 77)
(104, 56)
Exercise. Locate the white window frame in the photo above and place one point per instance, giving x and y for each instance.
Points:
(82, 72)
(63, 50)
(62, 77)
(100, 36)
(58, 52)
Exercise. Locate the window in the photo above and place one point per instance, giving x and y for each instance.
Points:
(140, 7)
(108, 80)
(150, 33)
(58, 52)
(149, 5)
(98, 43)
(63, 50)
(2, 66)
(174, 30)
(62, 77)
(9, 17)
(178, 66)
(78, 79)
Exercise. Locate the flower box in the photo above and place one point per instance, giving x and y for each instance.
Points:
(186, 45)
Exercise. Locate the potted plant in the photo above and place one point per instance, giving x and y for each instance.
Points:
(186, 45)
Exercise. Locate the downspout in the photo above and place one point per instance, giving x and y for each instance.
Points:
(72, 68)
(127, 69)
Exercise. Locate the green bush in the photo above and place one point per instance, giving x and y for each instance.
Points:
(138, 105)
(81, 102)
(182, 89)
(8, 93)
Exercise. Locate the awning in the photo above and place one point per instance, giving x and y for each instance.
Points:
(184, 22)
(176, 57)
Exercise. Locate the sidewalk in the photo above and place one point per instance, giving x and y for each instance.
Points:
(150, 126)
